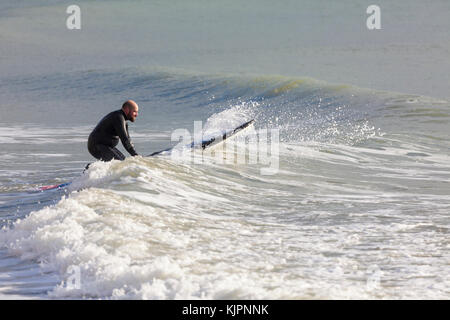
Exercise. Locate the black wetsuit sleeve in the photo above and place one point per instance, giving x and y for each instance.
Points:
(122, 132)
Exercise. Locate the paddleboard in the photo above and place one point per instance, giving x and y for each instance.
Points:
(53, 186)
(211, 140)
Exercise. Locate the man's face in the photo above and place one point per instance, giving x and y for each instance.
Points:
(133, 113)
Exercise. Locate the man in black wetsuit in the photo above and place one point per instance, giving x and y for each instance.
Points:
(105, 137)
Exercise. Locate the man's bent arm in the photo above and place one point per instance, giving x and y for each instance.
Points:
(122, 132)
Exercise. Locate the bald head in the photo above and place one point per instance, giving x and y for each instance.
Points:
(130, 108)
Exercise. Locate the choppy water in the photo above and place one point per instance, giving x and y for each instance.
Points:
(356, 206)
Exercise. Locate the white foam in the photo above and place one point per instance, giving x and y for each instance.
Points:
(149, 228)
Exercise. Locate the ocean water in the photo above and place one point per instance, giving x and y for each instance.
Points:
(347, 198)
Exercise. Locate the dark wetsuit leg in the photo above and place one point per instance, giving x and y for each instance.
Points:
(106, 153)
